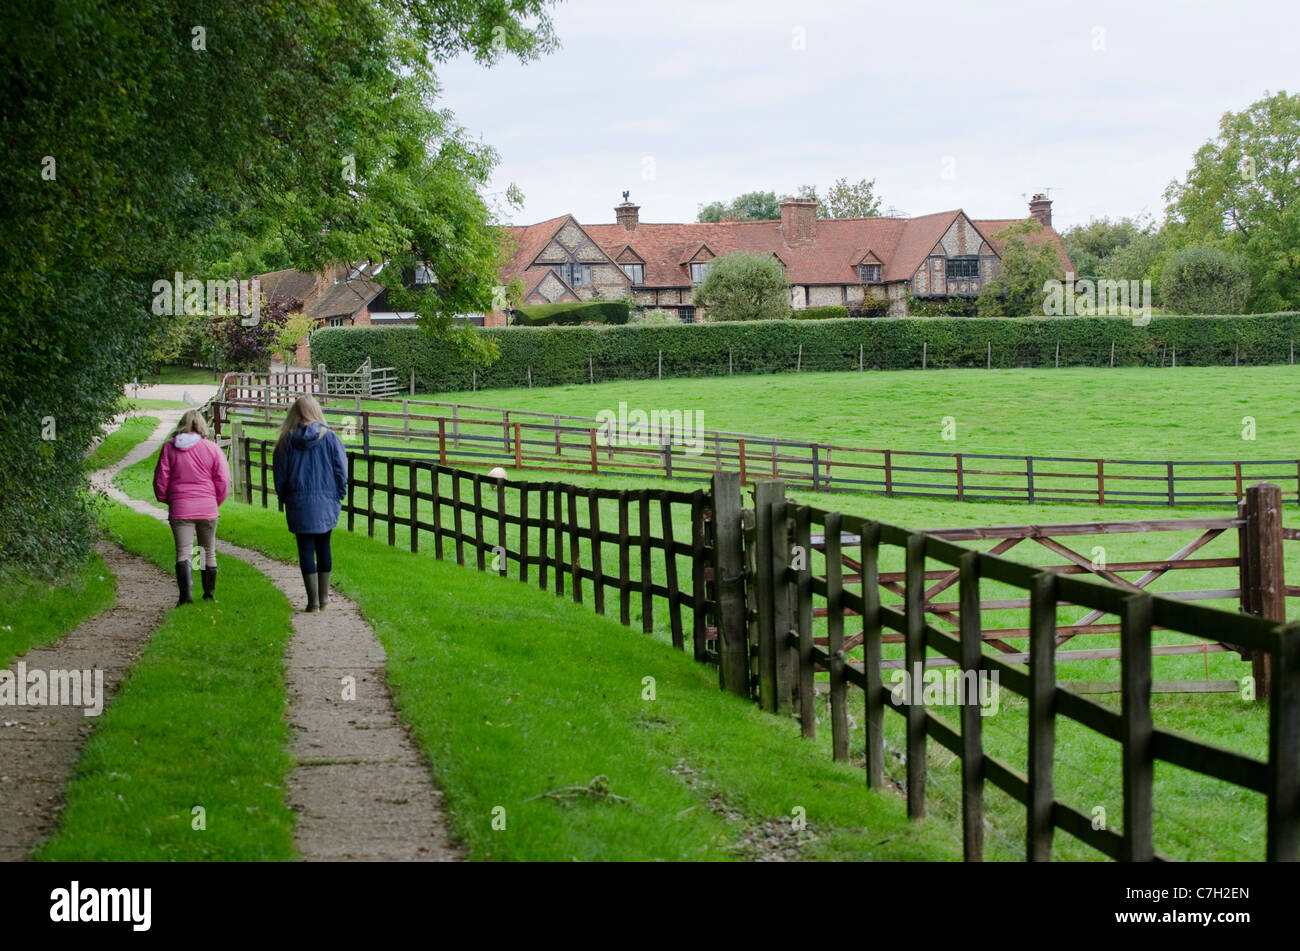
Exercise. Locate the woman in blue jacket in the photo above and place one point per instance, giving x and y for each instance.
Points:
(311, 479)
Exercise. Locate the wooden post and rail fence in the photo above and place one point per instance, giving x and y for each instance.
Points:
(742, 582)
(677, 449)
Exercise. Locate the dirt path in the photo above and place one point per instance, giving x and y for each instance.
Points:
(39, 745)
(361, 788)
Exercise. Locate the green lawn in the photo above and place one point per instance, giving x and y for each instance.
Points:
(140, 403)
(197, 723)
(120, 441)
(35, 612)
(180, 375)
(1128, 412)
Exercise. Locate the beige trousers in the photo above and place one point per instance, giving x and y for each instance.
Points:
(184, 531)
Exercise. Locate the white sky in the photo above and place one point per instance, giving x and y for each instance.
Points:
(687, 102)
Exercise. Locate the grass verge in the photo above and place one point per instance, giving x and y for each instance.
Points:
(197, 724)
(34, 612)
(120, 441)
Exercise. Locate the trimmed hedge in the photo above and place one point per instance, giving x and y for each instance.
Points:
(559, 355)
(820, 313)
(598, 311)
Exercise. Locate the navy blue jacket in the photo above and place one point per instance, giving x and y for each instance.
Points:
(311, 478)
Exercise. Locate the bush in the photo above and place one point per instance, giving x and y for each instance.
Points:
(570, 312)
(942, 306)
(559, 355)
(1204, 279)
(820, 313)
(743, 286)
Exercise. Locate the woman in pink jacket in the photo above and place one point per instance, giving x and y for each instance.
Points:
(193, 479)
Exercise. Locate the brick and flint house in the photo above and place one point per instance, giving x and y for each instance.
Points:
(864, 264)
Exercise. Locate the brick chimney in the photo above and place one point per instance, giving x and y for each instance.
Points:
(1040, 209)
(626, 213)
(799, 220)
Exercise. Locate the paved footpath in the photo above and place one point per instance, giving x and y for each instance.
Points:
(360, 787)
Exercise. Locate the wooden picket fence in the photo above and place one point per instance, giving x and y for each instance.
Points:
(751, 611)
(480, 435)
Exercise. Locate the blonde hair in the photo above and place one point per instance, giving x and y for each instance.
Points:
(191, 422)
(304, 410)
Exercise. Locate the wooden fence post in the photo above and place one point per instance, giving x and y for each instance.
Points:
(1138, 768)
(728, 576)
(803, 597)
(972, 726)
(871, 659)
(914, 673)
(1042, 718)
(835, 637)
(1263, 581)
(237, 473)
(1284, 751)
(767, 494)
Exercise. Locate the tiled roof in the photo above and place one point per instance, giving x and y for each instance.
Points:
(287, 284)
(902, 244)
(342, 299)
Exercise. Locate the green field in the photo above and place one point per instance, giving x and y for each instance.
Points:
(1182, 413)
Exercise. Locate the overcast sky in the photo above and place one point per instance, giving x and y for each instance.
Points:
(945, 105)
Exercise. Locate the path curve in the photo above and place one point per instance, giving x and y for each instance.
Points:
(39, 745)
(361, 788)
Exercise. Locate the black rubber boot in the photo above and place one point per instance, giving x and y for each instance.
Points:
(322, 590)
(184, 582)
(309, 580)
(209, 578)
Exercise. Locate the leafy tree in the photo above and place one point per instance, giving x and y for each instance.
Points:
(144, 138)
(1204, 279)
(751, 206)
(845, 200)
(1028, 262)
(744, 286)
(1097, 247)
(296, 326)
(842, 200)
(1241, 195)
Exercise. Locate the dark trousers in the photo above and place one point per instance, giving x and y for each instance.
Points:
(314, 553)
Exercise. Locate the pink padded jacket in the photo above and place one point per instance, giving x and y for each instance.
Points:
(192, 477)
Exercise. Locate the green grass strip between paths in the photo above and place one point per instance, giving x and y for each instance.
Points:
(198, 722)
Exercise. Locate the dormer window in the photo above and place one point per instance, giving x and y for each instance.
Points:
(635, 273)
(423, 275)
(869, 273)
(699, 271)
(966, 267)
